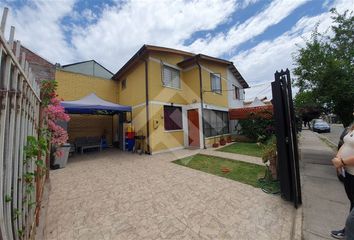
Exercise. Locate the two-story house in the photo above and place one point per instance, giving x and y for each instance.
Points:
(179, 99)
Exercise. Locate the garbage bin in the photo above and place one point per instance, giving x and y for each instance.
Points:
(61, 161)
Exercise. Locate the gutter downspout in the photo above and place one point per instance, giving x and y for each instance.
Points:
(147, 106)
(201, 99)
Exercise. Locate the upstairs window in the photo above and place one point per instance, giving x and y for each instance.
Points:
(124, 84)
(237, 92)
(172, 118)
(215, 79)
(170, 77)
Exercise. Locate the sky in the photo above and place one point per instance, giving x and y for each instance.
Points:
(259, 36)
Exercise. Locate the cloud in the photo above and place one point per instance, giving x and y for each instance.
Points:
(254, 26)
(38, 27)
(247, 3)
(122, 30)
(258, 64)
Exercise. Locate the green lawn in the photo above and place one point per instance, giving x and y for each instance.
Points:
(251, 149)
(247, 173)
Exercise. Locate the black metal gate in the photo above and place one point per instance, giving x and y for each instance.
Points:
(285, 130)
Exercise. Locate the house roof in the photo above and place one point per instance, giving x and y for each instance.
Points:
(92, 60)
(190, 60)
(238, 75)
(141, 53)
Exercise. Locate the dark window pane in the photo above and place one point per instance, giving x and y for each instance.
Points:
(173, 118)
(216, 122)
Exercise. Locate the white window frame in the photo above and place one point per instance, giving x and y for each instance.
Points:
(171, 83)
(218, 75)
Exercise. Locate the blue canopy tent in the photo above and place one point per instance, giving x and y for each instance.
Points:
(93, 105)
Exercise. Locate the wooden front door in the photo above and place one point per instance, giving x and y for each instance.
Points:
(193, 128)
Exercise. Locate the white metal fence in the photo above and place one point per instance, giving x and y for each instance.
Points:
(19, 111)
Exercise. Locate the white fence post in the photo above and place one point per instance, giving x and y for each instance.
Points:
(19, 117)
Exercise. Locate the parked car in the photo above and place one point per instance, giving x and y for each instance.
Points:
(319, 125)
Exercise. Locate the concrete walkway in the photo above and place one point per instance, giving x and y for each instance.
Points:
(117, 195)
(233, 156)
(325, 204)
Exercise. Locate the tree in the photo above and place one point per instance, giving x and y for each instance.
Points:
(307, 106)
(325, 67)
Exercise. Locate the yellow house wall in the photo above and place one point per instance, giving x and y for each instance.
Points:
(157, 92)
(192, 85)
(89, 126)
(74, 86)
(134, 93)
(210, 97)
(161, 139)
(139, 120)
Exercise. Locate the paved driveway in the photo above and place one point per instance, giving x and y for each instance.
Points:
(116, 195)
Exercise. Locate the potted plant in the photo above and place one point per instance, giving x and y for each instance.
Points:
(269, 156)
(215, 144)
(222, 141)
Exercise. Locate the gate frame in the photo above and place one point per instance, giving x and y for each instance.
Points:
(287, 144)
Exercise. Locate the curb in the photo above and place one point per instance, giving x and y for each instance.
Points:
(297, 224)
(323, 137)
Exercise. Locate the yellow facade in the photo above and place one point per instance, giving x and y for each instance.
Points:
(134, 92)
(139, 120)
(189, 93)
(74, 86)
(161, 139)
(216, 99)
(158, 92)
(192, 85)
(90, 126)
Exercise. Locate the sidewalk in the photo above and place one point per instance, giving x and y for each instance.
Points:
(325, 204)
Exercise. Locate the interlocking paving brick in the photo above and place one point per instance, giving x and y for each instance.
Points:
(117, 195)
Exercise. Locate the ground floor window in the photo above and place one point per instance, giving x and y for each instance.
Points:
(172, 118)
(215, 122)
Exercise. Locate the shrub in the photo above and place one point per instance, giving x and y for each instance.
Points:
(258, 127)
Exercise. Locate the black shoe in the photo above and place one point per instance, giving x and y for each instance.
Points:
(339, 234)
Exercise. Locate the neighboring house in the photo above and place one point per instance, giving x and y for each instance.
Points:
(78, 80)
(257, 102)
(41, 68)
(172, 91)
(236, 96)
(91, 68)
(257, 105)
